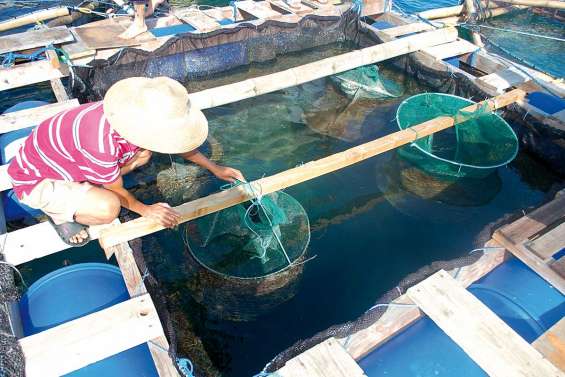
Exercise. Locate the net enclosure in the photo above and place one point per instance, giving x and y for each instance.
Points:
(474, 148)
(246, 259)
(366, 82)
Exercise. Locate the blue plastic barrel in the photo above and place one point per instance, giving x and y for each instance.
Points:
(75, 291)
(10, 142)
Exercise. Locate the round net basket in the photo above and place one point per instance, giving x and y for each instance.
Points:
(473, 148)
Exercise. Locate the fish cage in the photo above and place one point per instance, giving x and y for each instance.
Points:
(247, 259)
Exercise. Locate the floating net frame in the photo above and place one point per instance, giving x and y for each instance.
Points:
(441, 166)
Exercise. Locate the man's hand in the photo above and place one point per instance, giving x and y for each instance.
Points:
(228, 174)
(162, 213)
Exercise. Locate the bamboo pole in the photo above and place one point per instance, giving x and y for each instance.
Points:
(142, 226)
(34, 17)
(553, 4)
(326, 67)
(433, 14)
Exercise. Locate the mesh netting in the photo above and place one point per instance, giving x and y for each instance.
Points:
(253, 239)
(473, 148)
(366, 82)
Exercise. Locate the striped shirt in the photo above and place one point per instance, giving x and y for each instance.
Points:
(77, 145)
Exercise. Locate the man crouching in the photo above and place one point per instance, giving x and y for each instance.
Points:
(71, 165)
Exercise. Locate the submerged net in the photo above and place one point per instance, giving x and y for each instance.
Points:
(366, 82)
(253, 239)
(473, 148)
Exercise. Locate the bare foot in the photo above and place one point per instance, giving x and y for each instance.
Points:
(133, 31)
(79, 237)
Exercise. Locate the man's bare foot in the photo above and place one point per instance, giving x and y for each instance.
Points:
(133, 31)
(79, 237)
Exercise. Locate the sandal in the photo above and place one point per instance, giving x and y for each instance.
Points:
(67, 230)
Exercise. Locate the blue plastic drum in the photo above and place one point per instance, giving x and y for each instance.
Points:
(10, 142)
(73, 292)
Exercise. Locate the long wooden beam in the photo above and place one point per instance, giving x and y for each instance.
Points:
(86, 340)
(143, 226)
(554, 4)
(31, 18)
(31, 117)
(322, 68)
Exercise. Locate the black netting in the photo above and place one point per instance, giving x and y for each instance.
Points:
(191, 58)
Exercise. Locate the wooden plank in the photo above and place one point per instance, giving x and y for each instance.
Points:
(86, 340)
(29, 73)
(32, 18)
(327, 359)
(401, 30)
(257, 9)
(448, 50)
(500, 81)
(535, 263)
(35, 38)
(32, 117)
(490, 342)
(199, 20)
(78, 49)
(549, 243)
(535, 221)
(215, 202)
(552, 344)
(107, 36)
(559, 266)
(135, 286)
(397, 318)
(281, 6)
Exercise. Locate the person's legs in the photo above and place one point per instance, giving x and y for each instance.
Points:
(138, 25)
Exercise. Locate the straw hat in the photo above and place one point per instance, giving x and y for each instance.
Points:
(155, 114)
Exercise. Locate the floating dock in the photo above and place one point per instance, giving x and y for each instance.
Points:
(533, 239)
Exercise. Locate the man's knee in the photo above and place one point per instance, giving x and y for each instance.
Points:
(109, 208)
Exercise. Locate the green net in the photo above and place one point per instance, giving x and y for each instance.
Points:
(366, 82)
(253, 239)
(473, 148)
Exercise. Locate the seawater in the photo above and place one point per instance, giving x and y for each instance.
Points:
(372, 223)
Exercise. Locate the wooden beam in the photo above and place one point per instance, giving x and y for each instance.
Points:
(327, 359)
(199, 20)
(32, 117)
(451, 49)
(257, 9)
(552, 344)
(553, 4)
(442, 12)
(281, 6)
(401, 30)
(326, 67)
(135, 286)
(215, 202)
(398, 318)
(35, 38)
(502, 80)
(549, 243)
(86, 340)
(532, 261)
(490, 342)
(32, 18)
(29, 73)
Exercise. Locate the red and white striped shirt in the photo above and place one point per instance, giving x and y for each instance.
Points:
(76, 145)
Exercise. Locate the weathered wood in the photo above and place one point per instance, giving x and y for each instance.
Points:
(215, 202)
(553, 4)
(135, 287)
(500, 81)
(448, 50)
(552, 344)
(535, 221)
(34, 38)
(374, 7)
(108, 36)
(442, 12)
(326, 67)
(281, 6)
(549, 243)
(327, 359)
(490, 342)
(29, 73)
(32, 117)
(78, 49)
(397, 318)
(257, 9)
(83, 341)
(401, 30)
(532, 261)
(199, 20)
(32, 18)
(559, 266)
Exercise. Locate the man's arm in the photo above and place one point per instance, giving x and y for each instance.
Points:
(160, 212)
(222, 172)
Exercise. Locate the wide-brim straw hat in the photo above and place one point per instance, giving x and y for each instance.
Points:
(155, 114)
